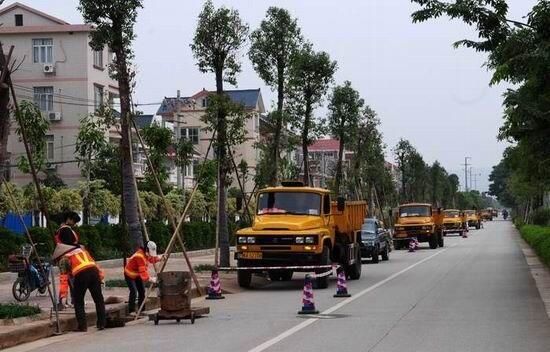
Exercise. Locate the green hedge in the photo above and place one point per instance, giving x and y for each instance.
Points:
(107, 241)
(15, 310)
(538, 238)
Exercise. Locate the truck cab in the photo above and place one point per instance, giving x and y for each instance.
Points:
(472, 219)
(420, 221)
(297, 226)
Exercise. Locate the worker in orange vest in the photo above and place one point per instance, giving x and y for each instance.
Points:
(66, 235)
(136, 273)
(87, 277)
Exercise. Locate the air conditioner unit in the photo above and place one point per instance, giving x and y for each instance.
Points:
(49, 68)
(54, 116)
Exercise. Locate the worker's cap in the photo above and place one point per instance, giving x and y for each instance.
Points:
(152, 248)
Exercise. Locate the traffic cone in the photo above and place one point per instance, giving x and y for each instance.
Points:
(215, 289)
(341, 287)
(412, 244)
(308, 306)
(464, 233)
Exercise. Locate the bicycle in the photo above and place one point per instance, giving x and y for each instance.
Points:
(29, 275)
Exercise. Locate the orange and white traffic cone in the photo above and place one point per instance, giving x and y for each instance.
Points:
(412, 244)
(308, 306)
(215, 289)
(341, 286)
(464, 233)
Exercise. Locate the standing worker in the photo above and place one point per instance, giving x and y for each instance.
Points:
(87, 276)
(66, 235)
(136, 273)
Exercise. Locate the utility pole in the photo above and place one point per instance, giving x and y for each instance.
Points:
(466, 172)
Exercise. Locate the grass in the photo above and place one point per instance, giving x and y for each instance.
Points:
(538, 238)
(116, 283)
(203, 267)
(15, 310)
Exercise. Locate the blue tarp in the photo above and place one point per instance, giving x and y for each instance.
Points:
(12, 222)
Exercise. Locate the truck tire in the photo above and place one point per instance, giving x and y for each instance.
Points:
(440, 241)
(376, 255)
(397, 245)
(354, 270)
(433, 241)
(478, 225)
(322, 282)
(244, 277)
(385, 254)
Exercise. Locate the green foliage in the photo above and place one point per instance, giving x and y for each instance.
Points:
(107, 167)
(116, 283)
(158, 139)
(17, 310)
(538, 238)
(10, 243)
(184, 152)
(541, 217)
(65, 199)
(219, 35)
(102, 201)
(90, 139)
(207, 171)
(343, 121)
(36, 127)
(6, 204)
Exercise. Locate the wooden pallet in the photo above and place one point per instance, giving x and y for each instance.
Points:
(191, 314)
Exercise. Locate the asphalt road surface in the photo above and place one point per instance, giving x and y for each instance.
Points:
(475, 294)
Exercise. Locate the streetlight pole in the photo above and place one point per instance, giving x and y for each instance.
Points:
(466, 172)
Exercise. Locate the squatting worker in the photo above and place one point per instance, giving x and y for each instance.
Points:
(87, 276)
(66, 235)
(136, 273)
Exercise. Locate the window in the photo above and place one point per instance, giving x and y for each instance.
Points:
(98, 96)
(204, 102)
(294, 203)
(257, 123)
(114, 101)
(43, 98)
(18, 20)
(50, 147)
(42, 50)
(98, 59)
(190, 133)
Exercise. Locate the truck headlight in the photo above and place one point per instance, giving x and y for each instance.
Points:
(241, 239)
(310, 239)
(299, 240)
(251, 240)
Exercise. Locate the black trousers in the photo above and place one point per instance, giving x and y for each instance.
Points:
(88, 279)
(136, 287)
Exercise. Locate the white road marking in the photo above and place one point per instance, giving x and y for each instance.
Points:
(264, 346)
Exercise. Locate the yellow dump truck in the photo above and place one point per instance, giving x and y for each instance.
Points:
(298, 226)
(487, 214)
(452, 222)
(418, 220)
(472, 219)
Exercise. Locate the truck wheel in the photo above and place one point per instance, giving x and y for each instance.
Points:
(478, 226)
(440, 240)
(354, 270)
(244, 277)
(433, 241)
(322, 282)
(385, 254)
(375, 255)
(396, 245)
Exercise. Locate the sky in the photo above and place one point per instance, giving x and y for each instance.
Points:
(422, 88)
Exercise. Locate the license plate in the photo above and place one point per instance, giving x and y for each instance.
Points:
(251, 255)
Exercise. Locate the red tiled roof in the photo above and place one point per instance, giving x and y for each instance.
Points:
(325, 144)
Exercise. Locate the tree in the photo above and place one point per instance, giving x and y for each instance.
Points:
(403, 151)
(310, 75)
(344, 115)
(100, 200)
(65, 199)
(4, 117)
(90, 140)
(36, 127)
(271, 49)
(219, 36)
(113, 26)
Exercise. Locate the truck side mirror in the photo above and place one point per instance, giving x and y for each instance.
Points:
(239, 202)
(340, 203)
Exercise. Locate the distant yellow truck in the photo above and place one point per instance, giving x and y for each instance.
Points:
(452, 222)
(472, 219)
(420, 220)
(300, 226)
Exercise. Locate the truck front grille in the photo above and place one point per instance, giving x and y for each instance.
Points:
(275, 248)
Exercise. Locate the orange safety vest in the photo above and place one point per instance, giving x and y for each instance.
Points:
(57, 237)
(137, 266)
(80, 260)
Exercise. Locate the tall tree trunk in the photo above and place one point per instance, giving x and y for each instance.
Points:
(274, 177)
(86, 198)
(305, 138)
(339, 165)
(4, 130)
(223, 232)
(130, 197)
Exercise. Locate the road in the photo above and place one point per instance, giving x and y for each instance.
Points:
(475, 294)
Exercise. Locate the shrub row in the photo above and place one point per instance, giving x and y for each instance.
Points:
(15, 310)
(538, 238)
(107, 241)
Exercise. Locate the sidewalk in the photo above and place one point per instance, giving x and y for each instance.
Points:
(11, 335)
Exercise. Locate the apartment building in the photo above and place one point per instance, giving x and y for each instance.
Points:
(62, 75)
(186, 114)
